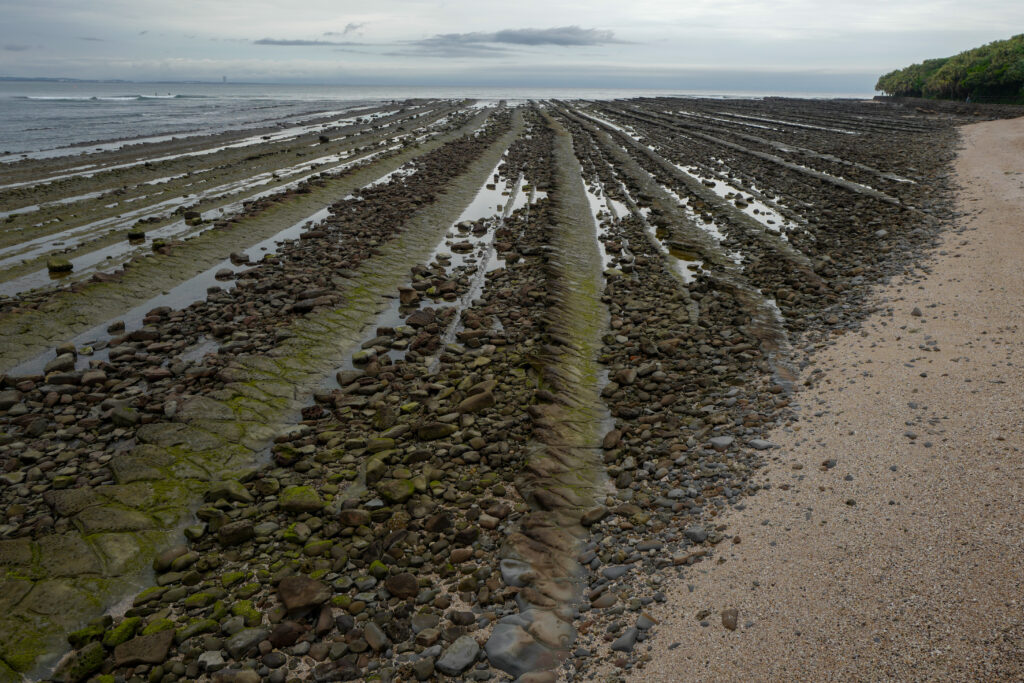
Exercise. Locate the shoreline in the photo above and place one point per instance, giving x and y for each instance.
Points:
(888, 546)
(429, 503)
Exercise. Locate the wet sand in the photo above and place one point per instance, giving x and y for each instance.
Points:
(890, 544)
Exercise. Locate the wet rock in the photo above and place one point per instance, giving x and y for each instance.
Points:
(376, 638)
(476, 402)
(396, 490)
(59, 264)
(300, 499)
(151, 649)
(514, 651)
(435, 430)
(81, 664)
(403, 585)
(459, 656)
(123, 415)
(353, 517)
(229, 490)
(245, 641)
(593, 515)
(236, 533)
(298, 593)
(62, 363)
(9, 398)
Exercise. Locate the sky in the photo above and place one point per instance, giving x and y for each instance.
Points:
(794, 45)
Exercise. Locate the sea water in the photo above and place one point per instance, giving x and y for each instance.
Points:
(53, 118)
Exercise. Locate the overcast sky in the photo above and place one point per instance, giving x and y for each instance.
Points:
(592, 43)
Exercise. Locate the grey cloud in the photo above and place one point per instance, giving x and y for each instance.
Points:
(568, 36)
(349, 28)
(17, 48)
(91, 39)
(484, 44)
(301, 43)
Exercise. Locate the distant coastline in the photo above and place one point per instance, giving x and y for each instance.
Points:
(990, 73)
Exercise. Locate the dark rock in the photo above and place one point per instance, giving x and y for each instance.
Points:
(234, 533)
(245, 642)
(459, 656)
(151, 649)
(299, 593)
(626, 641)
(402, 585)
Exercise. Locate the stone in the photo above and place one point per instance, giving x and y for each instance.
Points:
(300, 499)
(423, 669)
(62, 363)
(151, 649)
(123, 415)
(375, 637)
(298, 593)
(234, 533)
(760, 444)
(229, 489)
(9, 398)
(646, 621)
(459, 656)
(162, 562)
(514, 651)
(353, 517)
(93, 378)
(730, 617)
(245, 641)
(396, 490)
(286, 634)
(626, 641)
(435, 430)
(476, 402)
(615, 572)
(696, 533)
(122, 633)
(403, 585)
(593, 515)
(211, 661)
(720, 443)
(81, 664)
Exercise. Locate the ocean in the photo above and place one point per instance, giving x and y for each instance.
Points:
(43, 119)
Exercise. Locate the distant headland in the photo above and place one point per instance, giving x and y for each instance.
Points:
(990, 73)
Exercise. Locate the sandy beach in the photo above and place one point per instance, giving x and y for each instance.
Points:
(889, 544)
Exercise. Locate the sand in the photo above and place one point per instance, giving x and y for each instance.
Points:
(903, 560)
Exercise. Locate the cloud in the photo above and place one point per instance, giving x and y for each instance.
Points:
(91, 39)
(17, 48)
(302, 43)
(484, 44)
(566, 36)
(350, 27)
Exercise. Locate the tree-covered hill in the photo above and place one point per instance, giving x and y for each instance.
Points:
(990, 73)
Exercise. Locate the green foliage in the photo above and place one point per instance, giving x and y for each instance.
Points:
(993, 72)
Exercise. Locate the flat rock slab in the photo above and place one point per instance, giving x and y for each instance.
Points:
(151, 649)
